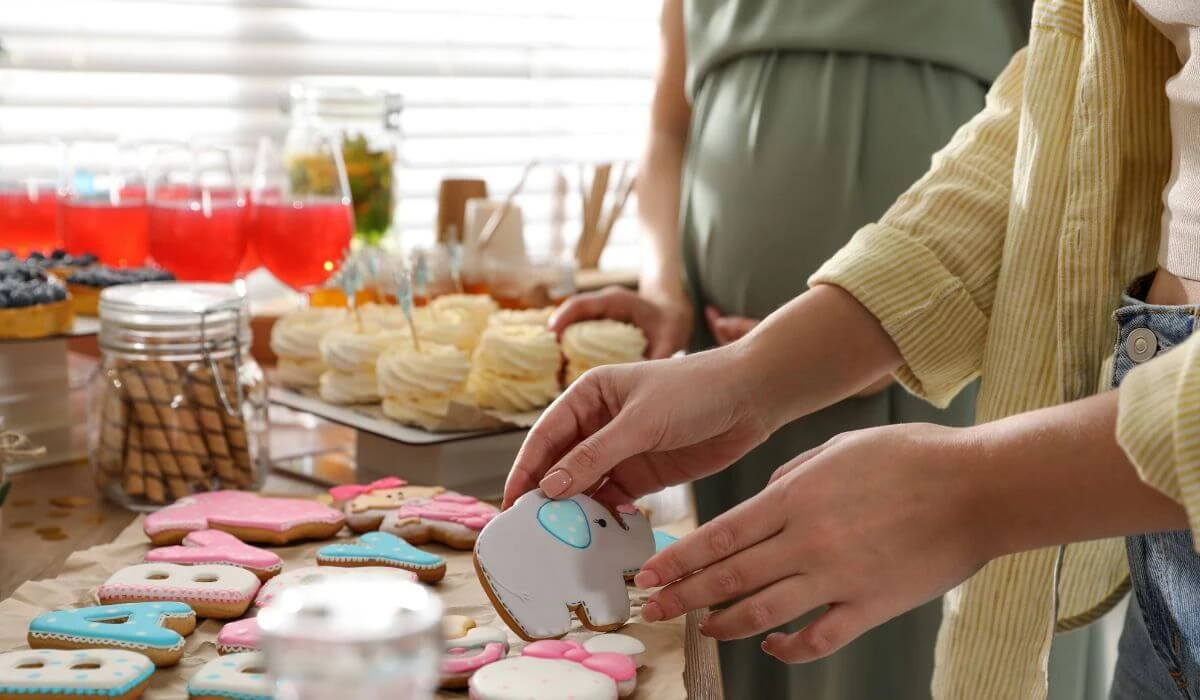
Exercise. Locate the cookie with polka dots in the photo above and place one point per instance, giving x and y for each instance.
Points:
(155, 630)
(42, 674)
(242, 676)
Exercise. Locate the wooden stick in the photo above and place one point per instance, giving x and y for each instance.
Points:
(497, 217)
(601, 239)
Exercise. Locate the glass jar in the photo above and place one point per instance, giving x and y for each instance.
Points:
(178, 405)
(367, 124)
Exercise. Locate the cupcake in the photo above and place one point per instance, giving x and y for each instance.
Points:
(349, 352)
(475, 308)
(525, 317)
(515, 369)
(418, 386)
(295, 339)
(589, 344)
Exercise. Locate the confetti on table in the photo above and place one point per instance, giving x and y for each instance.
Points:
(70, 501)
(21, 525)
(60, 535)
(21, 502)
(59, 514)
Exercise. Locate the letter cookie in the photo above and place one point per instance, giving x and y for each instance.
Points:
(247, 516)
(541, 560)
(419, 514)
(382, 549)
(60, 674)
(468, 648)
(212, 590)
(237, 676)
(240, 636)
(153, 629)
(312, 574)
(217, 547)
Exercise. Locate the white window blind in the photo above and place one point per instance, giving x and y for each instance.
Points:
(487, 85)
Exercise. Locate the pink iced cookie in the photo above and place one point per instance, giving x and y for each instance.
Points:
(532, 678)
(418, 514)
(216, 547)
(618, 667)
(236, 637)
(468, 648)
(218, 591)
(247, 516)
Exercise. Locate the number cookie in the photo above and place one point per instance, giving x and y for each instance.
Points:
(240, 676)
(312, 574)
(216, 547)
(541, 560)
(153, 629)
(247, 516)
(41, 674)
(419, 514)
(213, 590)
(468, 648)
(382, 549)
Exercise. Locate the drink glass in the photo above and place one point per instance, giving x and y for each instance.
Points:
(198, 227)
(102, 203)
(28, 197)
(301, 221)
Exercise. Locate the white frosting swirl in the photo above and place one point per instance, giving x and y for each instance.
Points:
(604, 342)
(297, 334)
(348, 388)
(299, 373)
(423, 413)
(524, 317)
(491, 390)
(523, 352)
(434, 371)
(476, 308)
(352, 348)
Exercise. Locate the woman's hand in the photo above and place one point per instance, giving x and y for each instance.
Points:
(872, 524)
(727, 329)
(667, 323)
(638, 428)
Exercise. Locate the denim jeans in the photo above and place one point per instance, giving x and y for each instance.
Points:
(1159, 651)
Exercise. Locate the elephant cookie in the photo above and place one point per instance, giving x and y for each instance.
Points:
(118, 674)
(382, 549)
(313, 574)
(153, 629)
(247, 516)
(541, 560)
(467, 649)
(216, 547)
(239, 676)
(240, 636)
(218, 591)
(419, 514)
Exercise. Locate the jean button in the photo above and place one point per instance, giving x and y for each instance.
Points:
(1141, 344)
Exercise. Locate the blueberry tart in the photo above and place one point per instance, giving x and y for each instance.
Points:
(86, 284)
(33, 303)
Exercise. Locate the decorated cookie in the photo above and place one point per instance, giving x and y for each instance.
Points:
(217, 547)
(213, 590)
(662, 540)
(247, 516)
(419, 514)
(61, 674)
(238, 676)
(541, 560)
(382, 549)
(153, 629)
(615, 643)
(313, 574)
(468, 648)
(619, 667)
(239, 636)
(533, 678)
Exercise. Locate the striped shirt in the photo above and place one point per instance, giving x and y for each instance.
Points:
(1006, 261)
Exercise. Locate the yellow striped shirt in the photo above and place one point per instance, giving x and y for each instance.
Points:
(1006, 261)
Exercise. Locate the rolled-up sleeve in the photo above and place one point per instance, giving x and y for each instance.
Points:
(928, 269)
(1158, 425)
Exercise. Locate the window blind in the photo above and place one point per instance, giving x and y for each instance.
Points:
(486, 85)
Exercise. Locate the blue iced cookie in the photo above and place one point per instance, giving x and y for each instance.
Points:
(85, 673)
(154, 629)
(383, 549)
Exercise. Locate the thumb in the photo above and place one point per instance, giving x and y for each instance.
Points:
(591, 459)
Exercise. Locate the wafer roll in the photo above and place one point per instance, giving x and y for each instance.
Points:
(164, 396)
(188, 420)
(134, 480)
(154, 438)
(114, 422)
(203, 395)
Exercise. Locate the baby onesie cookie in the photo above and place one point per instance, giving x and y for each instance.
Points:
(313, 574)
(613, 642)
(541, 560)
(533, 678)
(468, 648)
(117, 674)
(619, 667)
(153, 629)
(239, 636)
(419, 514)
(382, 549)
(238, 676)
(218, 591)
(247, 516)
(217, 547)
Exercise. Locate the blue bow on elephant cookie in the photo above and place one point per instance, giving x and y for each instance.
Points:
(384, 549)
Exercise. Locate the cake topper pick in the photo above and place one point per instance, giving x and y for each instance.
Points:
(454, 250)
(349, 280)
(402, 282)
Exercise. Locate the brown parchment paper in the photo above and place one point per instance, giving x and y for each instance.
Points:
(84, 571)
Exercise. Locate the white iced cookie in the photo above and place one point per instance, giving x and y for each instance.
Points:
(62, 673)
(314, 574)
(219, 591)
(530, 678)
(616, 643)
(417, 386)
(590, 344)
(349, 388)
(523, 317)
(475, 308)
(295, 338)
(242, 676)
(354, 348)
(540, 560)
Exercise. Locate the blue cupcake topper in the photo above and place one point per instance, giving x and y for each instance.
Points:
(401, 278)
(349, 280)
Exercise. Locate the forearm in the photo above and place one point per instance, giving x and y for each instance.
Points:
(658, 216)
(818, 349)
(1057, 475)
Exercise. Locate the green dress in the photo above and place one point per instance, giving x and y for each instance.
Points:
(809, 118)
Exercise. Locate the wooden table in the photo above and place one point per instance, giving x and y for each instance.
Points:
(25, 555)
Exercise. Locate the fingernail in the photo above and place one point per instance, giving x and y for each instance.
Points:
(704, 621)
(555, 483)
(646, 579)
(651, 612)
